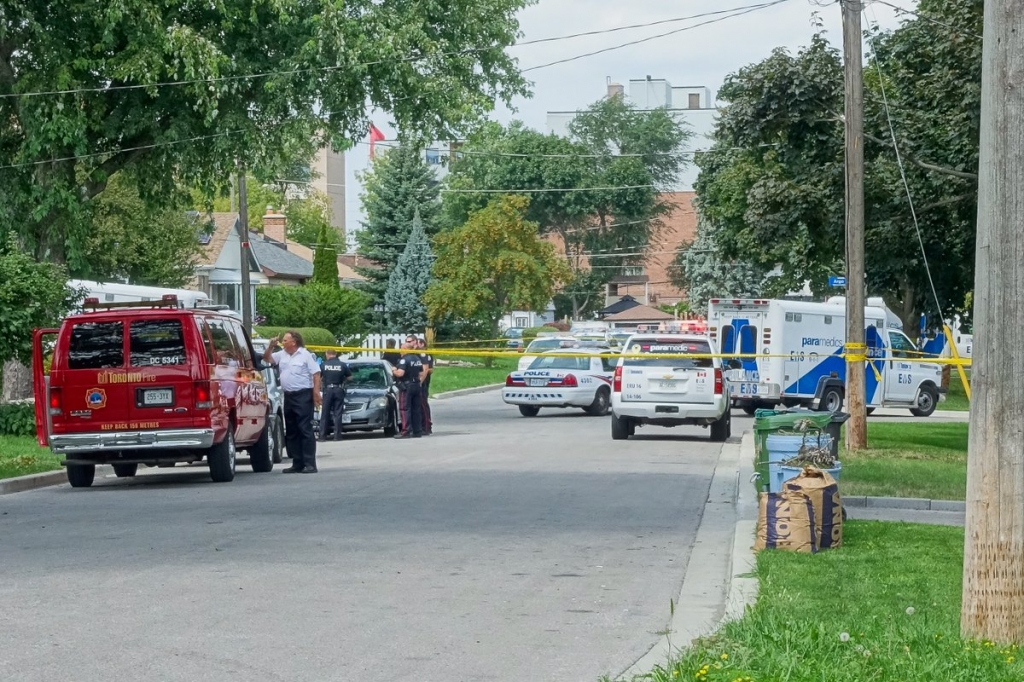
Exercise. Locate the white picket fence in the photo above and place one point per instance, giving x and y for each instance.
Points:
(378, 341)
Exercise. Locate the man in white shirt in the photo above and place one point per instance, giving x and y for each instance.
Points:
(300, 381)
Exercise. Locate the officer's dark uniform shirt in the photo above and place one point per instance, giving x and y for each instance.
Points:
(334, 372)
(392, 357)
(413, 366)
(428, 361)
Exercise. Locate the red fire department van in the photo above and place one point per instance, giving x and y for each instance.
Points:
(150, 383)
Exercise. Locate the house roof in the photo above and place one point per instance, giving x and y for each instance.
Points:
(276, 261)
(223, 223)
(639, 313)
(624, 303)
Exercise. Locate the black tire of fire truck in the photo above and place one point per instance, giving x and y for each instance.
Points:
(722, 429)
(261, 455)
(221, 458)
(927, 401)
(831, 399)
(125, 470)
(81, 475)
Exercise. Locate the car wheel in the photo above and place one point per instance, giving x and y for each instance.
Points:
(391, 430)
(221, 458)
(277, 448)
(621, 428)
(722, 429)
(602, 401)
(125, 470)
(81, 475)
(529, 410)
(927, 401)
(261, 455)
(831, 400)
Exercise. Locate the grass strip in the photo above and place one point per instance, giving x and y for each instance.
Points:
(20, 456)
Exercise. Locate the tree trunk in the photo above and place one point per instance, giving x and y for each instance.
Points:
(993, 585)
(17, 383)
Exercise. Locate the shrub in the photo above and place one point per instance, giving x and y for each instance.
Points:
(340, 311)
(313, 336)
(18, 418)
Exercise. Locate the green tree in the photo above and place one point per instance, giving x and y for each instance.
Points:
(178, 94)
(773, 183)
(403, 300)
(611, 145)
(398, 184)
(32, 295)
(325, 258)
(131, 241)
(313, 305)
(495, 263)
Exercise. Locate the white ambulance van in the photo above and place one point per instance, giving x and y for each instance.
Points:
(799, 347)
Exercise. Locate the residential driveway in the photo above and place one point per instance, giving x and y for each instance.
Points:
(501, 548)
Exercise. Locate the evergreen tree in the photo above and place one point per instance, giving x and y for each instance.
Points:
(403, 300)
(325, 258)
(398, 184)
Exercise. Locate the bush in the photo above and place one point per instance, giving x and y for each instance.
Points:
(530, 333)
(18, 419)
(340, 311)
(313, 336)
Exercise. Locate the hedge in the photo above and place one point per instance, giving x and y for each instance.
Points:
(18, 419)
(313, 336)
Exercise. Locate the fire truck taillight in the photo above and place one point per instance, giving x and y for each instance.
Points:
(56, 402)
(204, 396)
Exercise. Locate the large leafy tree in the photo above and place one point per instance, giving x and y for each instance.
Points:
(773, 184)
(131, 241)
(179, 93)
(494, 263)
(325, 259)
(403, 301)
(398, 185)
(611, 145)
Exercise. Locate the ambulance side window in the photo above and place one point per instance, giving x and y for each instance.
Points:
(901, 345)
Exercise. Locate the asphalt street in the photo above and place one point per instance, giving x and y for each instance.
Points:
(500, 548)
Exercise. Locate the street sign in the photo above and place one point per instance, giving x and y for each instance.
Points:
(834, 281)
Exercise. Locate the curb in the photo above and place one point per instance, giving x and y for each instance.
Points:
(914, 503)
(467, 391)
(20, 484)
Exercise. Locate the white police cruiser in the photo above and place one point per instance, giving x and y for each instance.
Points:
(564, 377)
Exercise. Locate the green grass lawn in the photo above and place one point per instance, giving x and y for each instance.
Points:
(446, 378)
(19, 455)
(956, 399)
(885, 607)
(909, 460)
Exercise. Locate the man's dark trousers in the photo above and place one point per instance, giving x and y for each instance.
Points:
(299, 438)
(412, 410)
(333, 407)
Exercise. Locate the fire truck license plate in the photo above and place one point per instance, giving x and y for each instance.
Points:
(158, 396)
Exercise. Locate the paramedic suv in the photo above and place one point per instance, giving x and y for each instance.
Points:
(149, 383)
(670, 380)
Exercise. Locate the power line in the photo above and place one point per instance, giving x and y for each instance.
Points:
(517, 155)
(951, 27)
(745, 10)
(293, 72)
(544, 190)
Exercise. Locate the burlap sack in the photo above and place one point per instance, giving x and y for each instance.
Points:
(823, 492)
(785, 521)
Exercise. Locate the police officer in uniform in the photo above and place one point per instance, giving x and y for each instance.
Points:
(428, 371)
(408, 371)
(334, 374)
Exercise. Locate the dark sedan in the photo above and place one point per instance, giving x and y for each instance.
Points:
(371, 398)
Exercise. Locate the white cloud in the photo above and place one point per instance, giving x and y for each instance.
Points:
(702, 56)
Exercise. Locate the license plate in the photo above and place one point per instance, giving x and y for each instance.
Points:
(747, 389)
(346, 418)
(538, 382)
(667, 385)
(157, 397)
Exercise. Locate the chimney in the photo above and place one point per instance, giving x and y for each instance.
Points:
(274, 227)
(616, 90)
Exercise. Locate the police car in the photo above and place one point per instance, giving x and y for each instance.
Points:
(562, 378)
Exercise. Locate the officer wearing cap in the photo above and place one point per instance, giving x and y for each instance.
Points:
(335, 373)
(407, 372)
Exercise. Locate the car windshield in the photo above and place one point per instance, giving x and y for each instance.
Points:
(560, 362)
(676, 351)
(540, 345)
(367, 376)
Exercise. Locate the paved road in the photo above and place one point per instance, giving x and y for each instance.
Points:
(501, 548)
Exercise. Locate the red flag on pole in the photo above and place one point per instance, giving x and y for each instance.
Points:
(375, 136)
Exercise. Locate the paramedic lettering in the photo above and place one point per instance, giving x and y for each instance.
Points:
(828, 343)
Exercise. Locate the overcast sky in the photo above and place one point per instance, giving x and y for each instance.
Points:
(703, 55)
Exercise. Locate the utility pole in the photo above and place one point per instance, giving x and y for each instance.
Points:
(857, 427)
(243, 240)
(993, 589)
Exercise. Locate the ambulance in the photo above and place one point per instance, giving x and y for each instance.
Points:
(794, 356)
